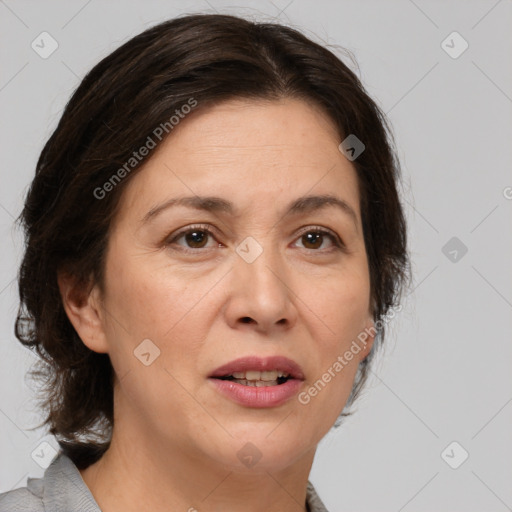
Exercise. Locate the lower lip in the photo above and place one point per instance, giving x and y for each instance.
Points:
(251, 396)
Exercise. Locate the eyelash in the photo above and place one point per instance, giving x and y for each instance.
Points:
(207, 228)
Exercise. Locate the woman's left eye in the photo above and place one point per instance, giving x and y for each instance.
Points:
(314, 238)
(196, 237)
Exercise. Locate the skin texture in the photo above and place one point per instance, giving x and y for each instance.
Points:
(175, 438)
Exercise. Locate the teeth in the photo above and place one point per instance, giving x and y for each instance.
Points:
(251, 375)
(256, 383)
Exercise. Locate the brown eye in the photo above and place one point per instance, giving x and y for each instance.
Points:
(195, 238)
(313, 239)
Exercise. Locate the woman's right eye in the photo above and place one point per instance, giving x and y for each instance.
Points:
(193, 236)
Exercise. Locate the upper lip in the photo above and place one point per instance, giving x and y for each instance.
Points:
(255, 363)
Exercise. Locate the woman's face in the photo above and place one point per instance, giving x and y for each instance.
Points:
(258, 281)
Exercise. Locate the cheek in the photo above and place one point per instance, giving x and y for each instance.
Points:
(152, 302)
(153, 313)
(343, 306)
(345, 313)
(143, 304)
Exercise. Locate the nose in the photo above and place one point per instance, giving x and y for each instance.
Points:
(261, 293)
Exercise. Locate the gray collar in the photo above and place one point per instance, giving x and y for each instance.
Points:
(62, 488)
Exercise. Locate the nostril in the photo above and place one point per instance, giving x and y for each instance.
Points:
(246, 320)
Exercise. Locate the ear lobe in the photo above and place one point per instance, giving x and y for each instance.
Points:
(83, 309)
(368, 339)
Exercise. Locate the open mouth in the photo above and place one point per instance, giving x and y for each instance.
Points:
(259, 382)
(258, 379)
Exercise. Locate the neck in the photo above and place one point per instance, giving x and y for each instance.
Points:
(162, 476)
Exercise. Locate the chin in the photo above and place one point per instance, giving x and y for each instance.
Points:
(259, 447)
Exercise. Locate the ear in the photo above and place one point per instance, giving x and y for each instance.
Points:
(367, 338)
(83, 308)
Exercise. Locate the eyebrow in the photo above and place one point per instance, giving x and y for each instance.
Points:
(301, 205)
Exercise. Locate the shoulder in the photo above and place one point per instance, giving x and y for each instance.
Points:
(20, 500)
(61, 488)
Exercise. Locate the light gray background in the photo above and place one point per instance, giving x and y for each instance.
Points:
(445, 375)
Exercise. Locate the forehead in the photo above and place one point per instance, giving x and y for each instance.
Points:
(249, 152)
(270, 128)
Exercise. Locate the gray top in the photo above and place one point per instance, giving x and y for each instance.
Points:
(62, 489)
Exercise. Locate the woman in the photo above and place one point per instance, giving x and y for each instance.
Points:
(214, 236)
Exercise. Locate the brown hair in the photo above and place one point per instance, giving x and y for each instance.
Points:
(210, 58)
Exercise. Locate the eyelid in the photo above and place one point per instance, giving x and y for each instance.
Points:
(207, 228)
(321, 229)
(338, 241)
